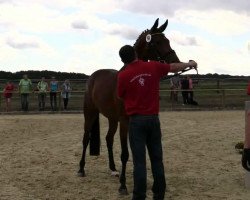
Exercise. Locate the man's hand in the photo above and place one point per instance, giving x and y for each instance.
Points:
(246, 159)
(193, 64)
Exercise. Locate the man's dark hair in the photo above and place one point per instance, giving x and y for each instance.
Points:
(127, 54)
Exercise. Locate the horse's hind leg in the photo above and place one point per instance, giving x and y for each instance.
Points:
(124, 155)
(90, 118)
(110, 141)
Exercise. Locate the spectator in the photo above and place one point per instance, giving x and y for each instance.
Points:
(191, 92)
(248, 88)
(53, 93)
(185, 88)
(245, 159)
(174, 86)
(25, 88)
(7, 92)
(66, 88)
(42, 87)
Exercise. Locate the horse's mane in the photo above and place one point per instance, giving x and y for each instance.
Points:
(139, 37)
(136, 45)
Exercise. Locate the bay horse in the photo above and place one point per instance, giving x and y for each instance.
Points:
(101, 97)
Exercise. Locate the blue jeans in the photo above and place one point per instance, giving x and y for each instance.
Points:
(144, 131)
(25, 101)
(41, 99)
(53, 102)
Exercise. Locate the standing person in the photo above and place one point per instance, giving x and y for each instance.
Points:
(191, 92)
(245, 159)
(248, 88)
(185, 88)
(174, 86)
(138, 87)
(42, 87)
(66, 88)
(7, 92)
(53, 93)
(25, 88)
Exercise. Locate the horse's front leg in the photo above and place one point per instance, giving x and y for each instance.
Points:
(124, 155)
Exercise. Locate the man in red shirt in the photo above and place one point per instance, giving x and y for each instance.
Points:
(138, 87)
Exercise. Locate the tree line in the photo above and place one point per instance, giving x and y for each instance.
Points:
(60, 76)
(35, 74)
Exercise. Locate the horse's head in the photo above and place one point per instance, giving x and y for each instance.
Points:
(153, 45)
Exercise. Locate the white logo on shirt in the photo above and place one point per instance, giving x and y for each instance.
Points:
(141, 81)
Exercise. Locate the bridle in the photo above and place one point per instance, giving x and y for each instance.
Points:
(152, 46)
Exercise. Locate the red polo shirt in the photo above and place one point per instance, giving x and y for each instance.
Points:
(138, 86)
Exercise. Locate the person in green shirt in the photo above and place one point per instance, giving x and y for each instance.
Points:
(25, 88)
(42, 87)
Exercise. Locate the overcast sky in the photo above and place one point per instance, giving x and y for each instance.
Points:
(86, 35)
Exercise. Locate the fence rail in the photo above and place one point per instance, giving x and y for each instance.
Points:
(206, 98)
(209, 99)
(75, 101)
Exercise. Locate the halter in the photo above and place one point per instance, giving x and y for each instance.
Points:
(152, 46)
(163, 60)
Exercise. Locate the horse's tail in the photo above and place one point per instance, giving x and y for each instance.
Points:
(94, 145)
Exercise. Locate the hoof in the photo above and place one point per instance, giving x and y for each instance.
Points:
(115, 173)
(123, 191)
(81, 174)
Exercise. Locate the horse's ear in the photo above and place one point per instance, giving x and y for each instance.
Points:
(154, 27)
(163, 27)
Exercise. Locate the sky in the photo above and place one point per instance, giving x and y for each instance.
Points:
(83, 36)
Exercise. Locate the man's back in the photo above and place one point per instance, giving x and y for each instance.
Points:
(138, 85)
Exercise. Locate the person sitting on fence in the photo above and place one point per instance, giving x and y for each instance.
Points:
(66, 88)
(53, 93)
(25, 88)
(42, 87)
(7, 92)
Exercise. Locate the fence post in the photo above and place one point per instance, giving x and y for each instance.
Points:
(223, 98)
(218, 85)
(59, 99)
(172, 99)
(247, 138)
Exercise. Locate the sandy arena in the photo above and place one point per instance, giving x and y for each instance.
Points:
(39, 156)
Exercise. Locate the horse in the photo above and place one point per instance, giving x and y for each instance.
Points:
(101, 98)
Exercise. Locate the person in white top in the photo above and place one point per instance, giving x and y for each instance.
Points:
(66, 89)
(175, 85)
